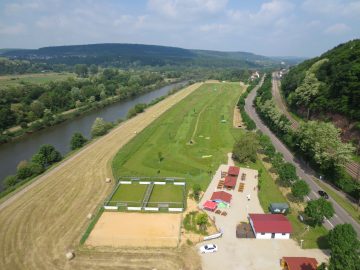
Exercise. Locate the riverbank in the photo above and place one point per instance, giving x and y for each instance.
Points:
(17, 132)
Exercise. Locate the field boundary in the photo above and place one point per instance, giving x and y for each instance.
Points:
(145, 204)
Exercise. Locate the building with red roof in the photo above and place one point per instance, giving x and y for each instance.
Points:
(210, 205)
(234, 171)
(230, 182)
(299, 263)
(270, 226)
(221, 196)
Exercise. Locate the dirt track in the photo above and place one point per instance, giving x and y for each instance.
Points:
(41, 223)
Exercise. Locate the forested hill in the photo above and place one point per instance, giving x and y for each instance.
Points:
(124, 55)
(327, 86)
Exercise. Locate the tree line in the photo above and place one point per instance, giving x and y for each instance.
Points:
(26, 103)
(317, 142)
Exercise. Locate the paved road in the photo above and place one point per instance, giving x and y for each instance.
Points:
(303, 171)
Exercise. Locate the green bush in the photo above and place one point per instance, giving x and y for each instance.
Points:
(77, 141)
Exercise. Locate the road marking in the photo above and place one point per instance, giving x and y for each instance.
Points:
(314, 193)
(335, 215)
(332, 226)
(308, 198)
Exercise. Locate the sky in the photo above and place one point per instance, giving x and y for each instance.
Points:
(303, 28)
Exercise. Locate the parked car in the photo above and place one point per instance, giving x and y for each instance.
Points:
(209, 248)
(323, 194)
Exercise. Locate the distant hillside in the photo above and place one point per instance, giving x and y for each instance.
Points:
(328, 86)
(138, 55)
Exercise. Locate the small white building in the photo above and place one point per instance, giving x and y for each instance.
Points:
(270, 226)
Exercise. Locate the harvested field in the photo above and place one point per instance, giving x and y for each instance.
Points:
(47, 218)
(136, 229)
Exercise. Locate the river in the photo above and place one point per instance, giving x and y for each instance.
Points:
(60, 135)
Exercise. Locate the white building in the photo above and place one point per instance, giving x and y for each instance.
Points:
(270, 226)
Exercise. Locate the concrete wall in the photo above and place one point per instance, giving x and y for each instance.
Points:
(268, 236)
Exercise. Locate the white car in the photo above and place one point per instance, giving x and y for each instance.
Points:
(209, 248)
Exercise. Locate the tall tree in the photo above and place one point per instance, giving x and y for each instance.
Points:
(81, 70)
(245, 149)
(316, 210)
(322, 142)
(344, 247)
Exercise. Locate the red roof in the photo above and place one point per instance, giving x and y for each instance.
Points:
(233, 170)
(210, 205)
(270, 223)
(301, 263)
(221, 196)
(230, 181)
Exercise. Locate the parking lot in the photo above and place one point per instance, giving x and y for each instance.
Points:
(235, 253)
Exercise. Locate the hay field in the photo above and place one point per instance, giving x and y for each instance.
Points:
(39, 224)
(199, 116)
(136, 230)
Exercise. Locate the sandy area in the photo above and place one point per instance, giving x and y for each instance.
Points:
(46, 219)
(136, 229)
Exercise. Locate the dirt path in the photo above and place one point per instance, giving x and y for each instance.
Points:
(39, 224)
(237, 122)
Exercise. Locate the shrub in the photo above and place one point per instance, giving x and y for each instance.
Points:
(77, 141)
(100, 127)
(300, 189)
(10, 180)
(23, 170)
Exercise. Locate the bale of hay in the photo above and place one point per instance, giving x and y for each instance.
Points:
(70, 255)
(89, 216)
(107, 180)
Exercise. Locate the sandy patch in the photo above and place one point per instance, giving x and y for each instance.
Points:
(136, 229)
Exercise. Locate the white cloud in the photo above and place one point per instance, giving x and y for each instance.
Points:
(333, 7)
(337, 29)
(183, 8)
(269, 12)
(217, 27)
(12, 29)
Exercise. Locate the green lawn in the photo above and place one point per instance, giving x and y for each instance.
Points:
(167, 193)
(171, 133)
(129, 193)
(269, 192)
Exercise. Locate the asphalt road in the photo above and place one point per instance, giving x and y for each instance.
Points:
(303, 171)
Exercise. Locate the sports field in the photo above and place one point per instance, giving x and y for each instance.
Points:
(199, 117)
(133, 194)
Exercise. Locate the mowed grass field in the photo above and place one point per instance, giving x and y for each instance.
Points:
(37, 78)
(128, 193)
(199, 117)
